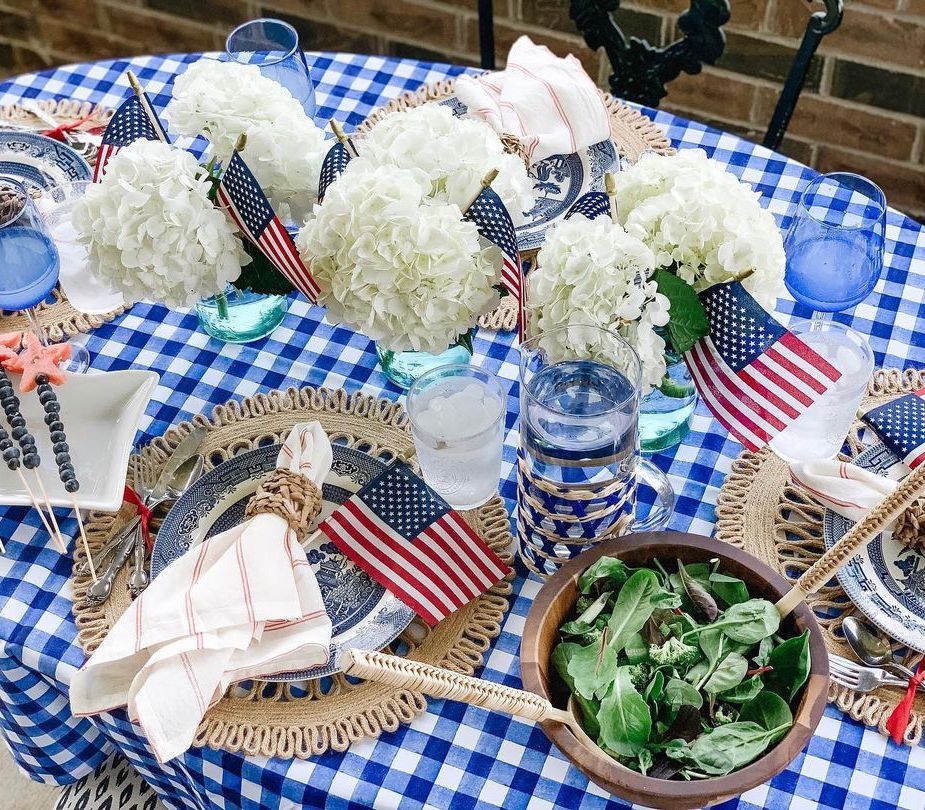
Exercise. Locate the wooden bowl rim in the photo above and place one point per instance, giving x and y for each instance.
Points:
(623, 781)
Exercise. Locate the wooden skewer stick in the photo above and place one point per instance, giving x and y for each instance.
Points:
(83, 539)
(610, 186)
(341, 136)
(487, 180)
(35, 502)
(59, 538)
(858, 536)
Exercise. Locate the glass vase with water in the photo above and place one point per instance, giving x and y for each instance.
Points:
(579, 463)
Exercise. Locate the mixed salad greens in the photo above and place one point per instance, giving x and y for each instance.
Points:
(680, 674)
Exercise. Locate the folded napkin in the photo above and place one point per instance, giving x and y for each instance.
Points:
(844, 488)
(549, 104)
(243, 604)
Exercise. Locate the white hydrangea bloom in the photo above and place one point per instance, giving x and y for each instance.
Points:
(221, 100)
(151, 230)
(453, 153)
(702, 219)
(392, 263)
(593, 273)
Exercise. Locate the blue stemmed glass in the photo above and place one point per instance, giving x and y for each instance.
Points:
(835, 243)
(29, 261)
(273, 45)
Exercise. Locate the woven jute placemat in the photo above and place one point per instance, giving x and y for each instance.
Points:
(632, 133)
(58, 317)
(758, 509)
(304, 719)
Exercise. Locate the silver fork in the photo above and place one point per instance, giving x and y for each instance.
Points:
(861, 678)
(144, 484)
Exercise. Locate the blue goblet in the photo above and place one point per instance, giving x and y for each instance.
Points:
(835, 243)
(273, 45)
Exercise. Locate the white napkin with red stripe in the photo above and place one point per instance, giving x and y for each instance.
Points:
(243, 604)
(549, 104)
(844, 488)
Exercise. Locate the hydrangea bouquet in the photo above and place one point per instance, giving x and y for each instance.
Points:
(683, 224)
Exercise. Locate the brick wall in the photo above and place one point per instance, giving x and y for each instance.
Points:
(863, 108)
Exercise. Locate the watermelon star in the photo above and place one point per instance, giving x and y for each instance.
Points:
(9, 344)
(36, 361)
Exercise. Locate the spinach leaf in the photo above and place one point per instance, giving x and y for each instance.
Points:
(636, 649)
(585, 622)
(592, 669)
(680, 693)
(561, 655)
(589, 710)
(770, 711)
(698, 594)
(713, 644)
(747, 623)
(699, 571)
(624, 717)
(744, 692)
(726, 748)
(645, 761)
(641, 594)
(730, 589)
(698, 672)
(791, 666)
(653, 691)
(609, 568)
(728, 674)
(764, 651)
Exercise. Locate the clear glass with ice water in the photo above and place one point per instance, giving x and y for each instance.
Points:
(820, 431)
(457, 421)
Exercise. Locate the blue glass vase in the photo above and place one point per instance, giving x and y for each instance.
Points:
(403, 368)
(665, 413)
(237, 316)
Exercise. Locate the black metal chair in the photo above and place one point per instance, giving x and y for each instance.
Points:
(641, 71)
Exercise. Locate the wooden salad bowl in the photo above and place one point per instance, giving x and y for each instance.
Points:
(553, 605)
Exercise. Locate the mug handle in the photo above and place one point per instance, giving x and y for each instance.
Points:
(650, 475)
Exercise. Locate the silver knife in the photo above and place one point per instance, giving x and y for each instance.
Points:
(184, 451)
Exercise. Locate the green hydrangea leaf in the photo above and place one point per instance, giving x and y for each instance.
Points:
(688, 319)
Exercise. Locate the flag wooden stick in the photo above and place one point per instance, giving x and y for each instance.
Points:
(610, 186)
(137, 89)
(341, 136)
(487, 180)
(59, 538)
(241, 142)
(83, 539)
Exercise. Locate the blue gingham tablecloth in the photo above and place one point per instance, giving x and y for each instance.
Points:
(453, 755)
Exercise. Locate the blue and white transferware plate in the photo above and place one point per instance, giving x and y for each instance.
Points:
(558, 181)
(363, 613)
(886, 580)
(39, 162)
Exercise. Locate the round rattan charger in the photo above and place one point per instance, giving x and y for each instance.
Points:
(632, 133)
(758, 509)
(57, 317)
(308, 718)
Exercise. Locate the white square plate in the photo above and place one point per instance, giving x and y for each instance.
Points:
(101, 413)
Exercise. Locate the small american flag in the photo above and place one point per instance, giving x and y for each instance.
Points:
(594, 204)
(240, 195)
(755, 376)
(134, 119)
(413, 543)
(491, 217)
(335, 161)
(901, 426)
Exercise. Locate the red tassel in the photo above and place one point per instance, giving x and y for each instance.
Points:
(899, 718)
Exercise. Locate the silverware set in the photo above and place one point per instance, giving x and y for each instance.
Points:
(180, 471)
(874, 651)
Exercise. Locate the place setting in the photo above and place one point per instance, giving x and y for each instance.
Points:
(575, 336)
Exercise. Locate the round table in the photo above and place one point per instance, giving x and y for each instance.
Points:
(452, 755)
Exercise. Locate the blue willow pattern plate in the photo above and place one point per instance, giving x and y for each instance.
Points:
(39, 162)
(363, 613)
(886, 580)
(558, 181)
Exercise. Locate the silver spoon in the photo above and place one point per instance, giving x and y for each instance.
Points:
(182, 479)
(871, 647)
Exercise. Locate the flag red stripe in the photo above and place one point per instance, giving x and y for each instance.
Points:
(796, 371)
(341, 530)
(915, 458)
(289, 250)
(757, 410)
(756, 381)
(380, 532)
(453, 560)
(475, 551)
(736, 423)
(811, 356)
(447, 563)
(782, 382)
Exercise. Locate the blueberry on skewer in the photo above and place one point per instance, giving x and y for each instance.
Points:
(49, 402)
(10, 404)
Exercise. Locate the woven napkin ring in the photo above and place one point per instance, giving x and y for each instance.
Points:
(291, 496)
(910, 527)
